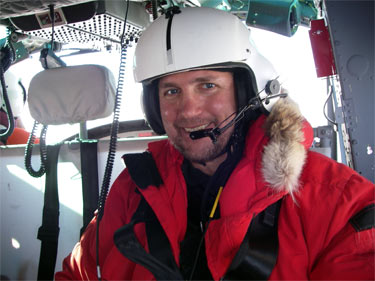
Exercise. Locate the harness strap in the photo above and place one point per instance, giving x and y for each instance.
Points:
(90, 184)
(48, 233)
(142, 169)
(160, 261)
(258, 252)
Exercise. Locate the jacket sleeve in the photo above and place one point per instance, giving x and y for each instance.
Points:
(350, 254)
(349, 257)
(81, 264)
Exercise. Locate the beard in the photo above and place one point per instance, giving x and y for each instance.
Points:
(201, 153)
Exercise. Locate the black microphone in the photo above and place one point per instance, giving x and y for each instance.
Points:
(212, 133)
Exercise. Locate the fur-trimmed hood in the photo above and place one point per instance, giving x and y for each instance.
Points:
(290, 135)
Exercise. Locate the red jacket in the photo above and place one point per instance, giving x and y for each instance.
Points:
(316, 239)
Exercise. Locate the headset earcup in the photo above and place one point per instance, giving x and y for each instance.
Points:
(245, 85)
(273, 87)
(151, 107)
(271, 94)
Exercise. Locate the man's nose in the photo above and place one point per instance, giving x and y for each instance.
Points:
(190, 105)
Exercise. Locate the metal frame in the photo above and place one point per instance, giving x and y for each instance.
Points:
(351, 26)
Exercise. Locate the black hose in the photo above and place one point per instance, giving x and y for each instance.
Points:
(43, 152)
(154, 7)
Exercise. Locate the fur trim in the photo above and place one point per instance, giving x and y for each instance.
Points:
(284, 155)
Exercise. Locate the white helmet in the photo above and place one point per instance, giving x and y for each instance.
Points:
(197, 38)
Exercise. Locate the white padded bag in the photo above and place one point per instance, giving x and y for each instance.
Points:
(71, 94)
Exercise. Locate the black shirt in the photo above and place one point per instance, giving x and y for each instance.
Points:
(196, 182)
(201, 193)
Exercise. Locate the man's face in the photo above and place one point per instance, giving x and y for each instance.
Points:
(196, 100)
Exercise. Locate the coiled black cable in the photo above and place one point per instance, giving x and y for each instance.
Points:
(43, 152)
(114, 131)
(114, 128)
(154, 8)
(113, 139)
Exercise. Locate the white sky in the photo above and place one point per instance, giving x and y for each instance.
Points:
(291, 56)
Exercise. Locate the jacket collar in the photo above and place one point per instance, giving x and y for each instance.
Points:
(290, 136)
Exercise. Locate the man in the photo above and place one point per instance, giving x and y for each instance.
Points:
(234, 192)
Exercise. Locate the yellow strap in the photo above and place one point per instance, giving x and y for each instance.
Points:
(216, 202)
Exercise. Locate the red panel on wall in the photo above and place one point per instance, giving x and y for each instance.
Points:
(322, 49)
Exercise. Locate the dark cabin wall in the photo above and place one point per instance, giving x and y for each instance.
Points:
(351, 25)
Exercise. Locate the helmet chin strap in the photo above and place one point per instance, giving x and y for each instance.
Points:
(255, 103)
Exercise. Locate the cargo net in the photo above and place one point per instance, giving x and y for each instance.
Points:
(102, 28)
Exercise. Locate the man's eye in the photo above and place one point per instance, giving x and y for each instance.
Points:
(171, 92)
(209, 85)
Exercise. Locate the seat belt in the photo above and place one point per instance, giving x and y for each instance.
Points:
(90, 182)
(48, 233)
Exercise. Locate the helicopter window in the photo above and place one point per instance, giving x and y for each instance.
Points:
(293, 58)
